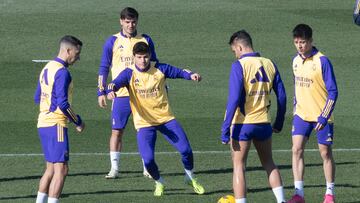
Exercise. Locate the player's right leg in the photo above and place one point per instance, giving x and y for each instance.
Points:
(240, 146)
(146, 139)
(301, 131)
(120, 112)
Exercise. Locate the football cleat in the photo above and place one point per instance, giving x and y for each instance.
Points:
(198, 189)
(329, 198)
(296, 199)
(112, 174)
(159, 189)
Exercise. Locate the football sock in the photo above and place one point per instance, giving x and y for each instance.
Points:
(189, 174)
(160, 180)
(299, 188)
(279, 194)
(242, 200)
(41, 197)
(330, 188)
(53, 200)
(144, 168)
(115, 158)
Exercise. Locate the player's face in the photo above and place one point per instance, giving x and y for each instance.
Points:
(303, 46)
(74, 54)
(142, 61)
(128, 26)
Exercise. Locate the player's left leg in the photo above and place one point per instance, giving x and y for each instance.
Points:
(264, 150)
(325, 141)
(175, 135)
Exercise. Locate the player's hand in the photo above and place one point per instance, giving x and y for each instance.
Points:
(196, 77)
(81, 127)
(225, 139)
(102, 101)
(275, 130)
(111, 95)
(319, 126)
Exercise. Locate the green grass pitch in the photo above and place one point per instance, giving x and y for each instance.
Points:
(186, 33)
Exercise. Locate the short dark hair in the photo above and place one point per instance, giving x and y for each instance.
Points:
(71, 40)
(243, 36)
(303, 31)
(129, 13)
(141, 48)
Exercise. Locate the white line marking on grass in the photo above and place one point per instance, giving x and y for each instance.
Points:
(40, 61)
(195, 152)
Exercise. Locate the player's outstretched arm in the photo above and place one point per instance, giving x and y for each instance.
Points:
(122, 80)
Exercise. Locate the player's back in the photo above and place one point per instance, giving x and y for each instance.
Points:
(258, 76)
(50, 114)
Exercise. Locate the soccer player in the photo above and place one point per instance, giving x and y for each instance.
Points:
(247, 116)
(53, 93)
(315, 97)
(356, 12)
(116, 56)
(149, 103)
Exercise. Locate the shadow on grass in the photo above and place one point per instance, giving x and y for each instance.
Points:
(102, 192)
(71, 174)
(253, 168)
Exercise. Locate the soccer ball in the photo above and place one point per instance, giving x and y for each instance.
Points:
(226, 199)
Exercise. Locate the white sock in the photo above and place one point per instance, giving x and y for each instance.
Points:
(160, 181)
(279, 194)
(330, 188)
(41, 197)
(189, 174)
(144, 168)
(115, 159)
(53, 200)
(242, 200)
(299, 188)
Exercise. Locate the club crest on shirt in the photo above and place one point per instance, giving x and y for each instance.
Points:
(137, 82)
(313, 67)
